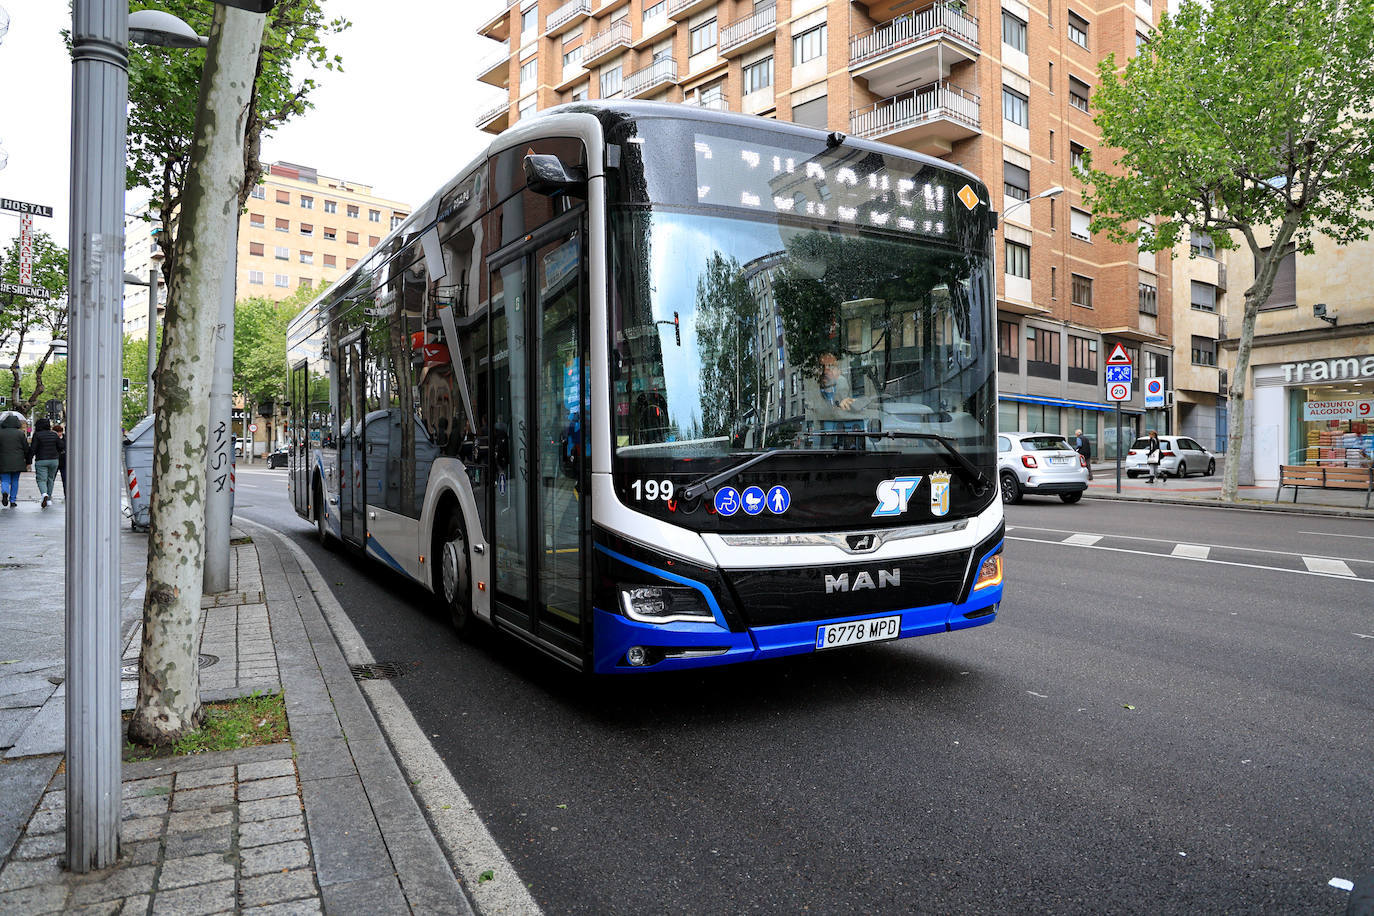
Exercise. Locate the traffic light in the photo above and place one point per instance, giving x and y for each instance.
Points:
(124, 385)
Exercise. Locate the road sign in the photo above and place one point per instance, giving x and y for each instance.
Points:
(1119, 374)
(1154, 392)
(18, 206)
(1119, 356)
(26, 249)
(252, 427)
(24, 289)
(1118, 391)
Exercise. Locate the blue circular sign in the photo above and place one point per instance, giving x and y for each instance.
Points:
(753, 500)
(727, 501)
(778, 500)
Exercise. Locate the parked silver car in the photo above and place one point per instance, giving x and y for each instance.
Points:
(1179, 457)
(1040, 464)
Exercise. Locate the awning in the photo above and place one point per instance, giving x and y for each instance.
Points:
(1065, 402)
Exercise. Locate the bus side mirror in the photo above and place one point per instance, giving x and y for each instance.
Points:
(545, 174)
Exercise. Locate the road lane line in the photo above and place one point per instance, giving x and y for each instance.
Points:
(1083, 540)
(1192, 551)
(1136, 537)
(1326, 565)
(1166, 556)
(1328, 534)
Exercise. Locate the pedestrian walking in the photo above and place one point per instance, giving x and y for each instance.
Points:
(62, 458)
(45, 450)
(15, 455)
(1153, 454)
(1084, 448)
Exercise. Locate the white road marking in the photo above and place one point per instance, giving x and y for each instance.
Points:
(1328, 534)
(1327, 565)
(1342, 884)
(1040, 695)
(1165, 556)
(1192, 551)
(1364, 636)
(1083, 540)
(1133, 537)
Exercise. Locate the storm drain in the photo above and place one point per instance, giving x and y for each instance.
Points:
(128, 667)
(377, 671)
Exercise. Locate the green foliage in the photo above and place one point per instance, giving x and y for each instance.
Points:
(134, 402)
(1244, 114)
(260, 344)
(22, 318)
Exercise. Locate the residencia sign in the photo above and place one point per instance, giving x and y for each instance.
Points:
(1330, 370)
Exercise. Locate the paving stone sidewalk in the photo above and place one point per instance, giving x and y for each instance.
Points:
(323, 823)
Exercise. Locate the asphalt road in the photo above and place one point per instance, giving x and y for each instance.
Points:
(1146, 728)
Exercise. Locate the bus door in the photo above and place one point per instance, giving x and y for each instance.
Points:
(352, 485)
(540, 498)
(298, 455)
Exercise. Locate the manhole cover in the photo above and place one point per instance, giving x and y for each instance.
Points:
(128, 667)
(378, 671)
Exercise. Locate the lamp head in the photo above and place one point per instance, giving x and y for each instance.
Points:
(155, 27)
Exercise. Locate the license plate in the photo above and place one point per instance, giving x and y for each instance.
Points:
(875, 629)
(1059, 460)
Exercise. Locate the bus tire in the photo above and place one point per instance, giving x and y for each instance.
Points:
(321, 523)
(455, 577)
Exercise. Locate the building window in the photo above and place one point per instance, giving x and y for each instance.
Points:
(1078, 30)
(351, 238)
(1082, 291)
(1013, 32)
(305, 282)
(610, 81)
(329, 261)
(373, 241)
(307, 257)
(702, 38)
(579, 94)
(350, 262)
(1015, 107)
(1075, 155)
(813, 113)
(255, 277)
(283, 197)
(397, 219)
(658, 11)
(330, 234)
(1008, 346)
(374, 216)
(282, 280)
(529, 24)
(1079, 221)
(1082, 360)
(1149, 299)
(1285, 291)
(1078, 94)
(1204, 351)
(572, 58)
(1018, 260)
(258, 193)
(331, 206)
(528, 71)
(758, 75)
(307, 229)
(352, 211)
(256, 248)
(1204, 296)
(1200, 243)
(257, 220)
(1042, 418)
(1042, 353)
(283, 225)
(1015, 181)
(809, 45)
(1054, 278)
(526, 109)
(283, 253)
(307, 203)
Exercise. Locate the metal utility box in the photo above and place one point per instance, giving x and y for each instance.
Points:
(138, 473)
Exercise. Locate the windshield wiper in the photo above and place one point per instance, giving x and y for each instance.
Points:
(967, 467)
(693, 490)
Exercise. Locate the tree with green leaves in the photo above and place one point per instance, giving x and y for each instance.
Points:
(1251, 121)
(25, 320)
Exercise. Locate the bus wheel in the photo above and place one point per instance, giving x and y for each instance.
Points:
(454, 579)
(321, 523)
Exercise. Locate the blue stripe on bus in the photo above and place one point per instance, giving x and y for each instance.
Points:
(671, 577)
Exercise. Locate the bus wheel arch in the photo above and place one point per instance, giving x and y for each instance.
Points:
(452, 576)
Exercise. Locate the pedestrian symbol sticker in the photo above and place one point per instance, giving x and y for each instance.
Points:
(753, 500)
(778, 500)
(727, 501)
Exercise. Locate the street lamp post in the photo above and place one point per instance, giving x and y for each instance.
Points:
(1048, 192)
(152, 284)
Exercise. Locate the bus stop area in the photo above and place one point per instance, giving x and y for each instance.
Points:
(323, 822)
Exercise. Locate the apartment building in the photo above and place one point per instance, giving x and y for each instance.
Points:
(141, 256)
(999, 87)
(302, 228)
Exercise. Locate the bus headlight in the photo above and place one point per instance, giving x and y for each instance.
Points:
(664, 604)
(990, 573)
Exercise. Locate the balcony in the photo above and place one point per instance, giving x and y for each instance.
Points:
(749, 32)
(567, 16)
(494, 70)
(916, 48)
(498, 26)
(651, 78)
(683, 9)
(654, 29)
(495, 119)
(928, 120)
(606, 43)
(711, 101)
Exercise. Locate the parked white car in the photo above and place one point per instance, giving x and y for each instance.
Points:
(1039, 464)
(1179, 457)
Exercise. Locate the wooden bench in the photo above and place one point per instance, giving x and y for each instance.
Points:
(1301, 475)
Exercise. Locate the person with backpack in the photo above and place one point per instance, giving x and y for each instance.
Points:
(46, 451)
(15, 455)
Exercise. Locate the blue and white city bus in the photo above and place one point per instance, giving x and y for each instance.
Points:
(653, 387)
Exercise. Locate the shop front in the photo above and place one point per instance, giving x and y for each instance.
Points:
(1316, 412)
(1036, 414)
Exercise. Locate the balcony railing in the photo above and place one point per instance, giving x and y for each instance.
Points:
(495, 59)
(712, 102)
(938, 100)
(659, 73)
(737, 35)
(606, 41)
(680, 9)
(491, 114)
(566, 14)
(912, 28)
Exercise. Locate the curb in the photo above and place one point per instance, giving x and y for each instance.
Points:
(1328, 511)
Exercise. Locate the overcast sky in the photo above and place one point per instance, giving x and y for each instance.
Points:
(399, 117)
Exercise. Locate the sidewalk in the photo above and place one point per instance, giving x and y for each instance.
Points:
(325, 822)
(1207, 491)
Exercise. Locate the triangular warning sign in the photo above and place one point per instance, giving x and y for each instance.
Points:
(1119, 356)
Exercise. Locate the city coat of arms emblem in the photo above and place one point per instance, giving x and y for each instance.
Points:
(939, 493)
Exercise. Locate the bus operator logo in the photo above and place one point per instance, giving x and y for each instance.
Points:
(894, 494)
